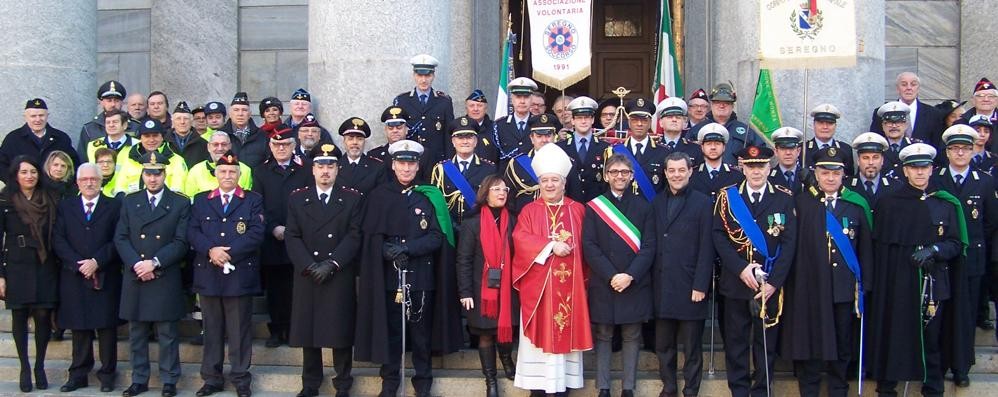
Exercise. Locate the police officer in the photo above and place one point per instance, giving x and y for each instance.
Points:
(671, 114)
(226, 230)
(459, 177)
(825, 117)
(201, 177)
(870, 180)
(894, 119)
(429, 111)
(114, 138)
(151, 239)
(587, 152)
(714, 173)
(475, 105)
(184, 139)
(36, 138)
(109, 97)
(396, 121)
(128, 177)
(358, 171)
(722, 111)
(643, 150)
(976, 192)
(323, 237)
(275, 179)
(519, 173)
(512, 133)
(788, 171)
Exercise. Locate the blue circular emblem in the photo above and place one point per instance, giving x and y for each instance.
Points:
(740, 130)
(560, 39)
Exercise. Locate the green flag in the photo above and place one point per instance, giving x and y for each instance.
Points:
(765, 108)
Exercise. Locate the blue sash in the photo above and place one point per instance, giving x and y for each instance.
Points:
(841, 241)
(524, 161)
(460, 183)
(644, 184)
(751, 229)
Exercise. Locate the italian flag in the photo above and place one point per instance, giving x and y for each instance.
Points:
(667, 80)
(505, 75)
(617, 222)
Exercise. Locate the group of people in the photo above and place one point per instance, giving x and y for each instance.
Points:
(547, 233)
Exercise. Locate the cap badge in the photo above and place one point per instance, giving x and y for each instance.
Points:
(38, 102)
(464, 122)
(753, 151)
(641, 102)
(395, 111)
(150, 124)
(152, 158)
(831, 151)
(357, 123)
(544, 118)
(228, 158)
(213, 106)
(327, 148)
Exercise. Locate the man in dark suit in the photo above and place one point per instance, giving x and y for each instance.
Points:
(788, 171)
(358, 171)
(323, 236)
(925, 124)
(151, 238)
(36, 138)
(459, 177)
(90, 283)
(429, 111)
(226, 230)
(587, 152)
(870, 180)
(826, 117)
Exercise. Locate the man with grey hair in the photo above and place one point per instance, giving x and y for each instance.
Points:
(925, 124)
(201, 176)
(135, 105)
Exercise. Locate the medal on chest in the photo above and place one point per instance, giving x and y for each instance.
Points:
(777, 223)
(241, 227)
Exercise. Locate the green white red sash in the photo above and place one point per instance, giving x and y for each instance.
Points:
(617, 221)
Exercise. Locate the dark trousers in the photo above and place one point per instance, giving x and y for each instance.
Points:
(277, 283)
(311, 372)
(669, 334)
(743, 333)
(809, 371)
(83, 354)
(933, 385)
(419, 330)
(631, 338)
(227, 318)
(169, 350)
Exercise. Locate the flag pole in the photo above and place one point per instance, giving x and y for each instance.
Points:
(803, 150)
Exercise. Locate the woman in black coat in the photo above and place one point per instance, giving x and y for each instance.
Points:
(491, 309)
(27, 215)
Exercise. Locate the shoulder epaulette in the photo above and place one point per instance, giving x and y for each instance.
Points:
(299, 190)
(442, 94)
(350, 190)
(375, 159)
(486, 161)
(783, 189)
(99, 142)
(181, 194)
(974, 174)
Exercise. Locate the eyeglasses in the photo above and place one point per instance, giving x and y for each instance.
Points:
(88, 179)
(619, 172)
(959, 149)
(985, 96)
(698, 106)
(105, 162)
(499, 188)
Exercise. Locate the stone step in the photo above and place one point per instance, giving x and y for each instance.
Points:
(285, 381)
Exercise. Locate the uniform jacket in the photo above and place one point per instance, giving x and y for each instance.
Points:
(777, 177)
(457, 203)
(90, 148)
(275, 184)
(740, 135)
(812, 147)
(511, 142)
(884, 186)
(363, 176)
(427, 124)
(128, 177)
(651, 160)
(239, 227)
(201, 178)
(928, 125)
(94, 129)
(702, 181)
(585, 180)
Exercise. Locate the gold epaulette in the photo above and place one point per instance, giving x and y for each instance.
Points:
(783, 189)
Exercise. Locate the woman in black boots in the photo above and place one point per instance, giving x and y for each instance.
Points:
(29, 272)
(484, 279)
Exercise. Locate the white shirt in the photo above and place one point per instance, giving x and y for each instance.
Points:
(831, 198)
(319, 192)
(643, 142)
(819, 142)
(85, 201)
(226, 196)
(912, 112)
(517, 120)
(761, 191)
(158, 196)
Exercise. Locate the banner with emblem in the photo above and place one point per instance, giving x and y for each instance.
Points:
(560, 41)
(815, 34)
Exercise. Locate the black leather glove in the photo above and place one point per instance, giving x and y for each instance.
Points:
(924, 258)
(391, 250)
(309, 270)
(323, 270)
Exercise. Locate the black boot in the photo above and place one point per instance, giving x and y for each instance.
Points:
(25, 382)
(506, 356)
(487, 355)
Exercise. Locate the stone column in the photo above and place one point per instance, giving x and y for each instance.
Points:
(50, 51)
(358, 62)
(977, 45)
(856, 91)
(195, 50)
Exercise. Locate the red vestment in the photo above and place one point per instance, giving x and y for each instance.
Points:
(553, 305)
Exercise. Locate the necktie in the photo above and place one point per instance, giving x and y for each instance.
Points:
(830, 203)
(638, 151)
(115, 145)
(869, 187)
(522, 126)
(90, 210)
(583, 148)
(824, 146)
(672, 145)
(152, 202)
(958, 179)
(895, 147)
(225, 203)
(422, 99)
(713, 174)
(756, 197)
(323, 197)
(464, 166)
(790, 177)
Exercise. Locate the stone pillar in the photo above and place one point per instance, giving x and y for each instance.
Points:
(856, 90)
(195, 50)
(50, 51)
(358, 62)
(977, 45)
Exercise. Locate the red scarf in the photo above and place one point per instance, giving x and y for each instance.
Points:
(495, 252)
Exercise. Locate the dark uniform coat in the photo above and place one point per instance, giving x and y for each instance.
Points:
(585, 180)
(381, 153)
(522, 184)
(144, 234)
(812, 147)
(778, 177)
(427, 124)
(883, 187)
(486, 147)
(275, 184)
(88, 304)
(323, 315)
(239, 227)
(683, 145)
(684, 253)
(740, 135)
(511, 140)
(607, 254)
(892, 158)
(651, 160)
(703, 182)
(928, 124)
(29, 280)
(470, 262)
(457, 203)
(363, 176)
(23, 141)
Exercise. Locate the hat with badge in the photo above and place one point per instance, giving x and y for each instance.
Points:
(154, 163)
(895, 111)
(36, 103)
(671, 106)
(281, 133)
(240, 99)
(228, 158)
(712, 132)
(787, 137)
(477, 96)
(699, 94)
(214, 107)
(551, 159)
(826, 112)
(355, 126)
(870, 142)
(309, 121)
(723, 92)
(271, 102)
(111, 89)
(394, 116)
(830, 158)
(960, 134)
(424, 64)
(405, 150)
(983, 84)
(521, 86)
(583, 105)
(917, 155)
(150, 126)
(324, 154)
(542, 124)
(301, 95)
(639, 107)
(980, 120)
(754, 154)
(463, 125)
(198, 109)
(182, 108)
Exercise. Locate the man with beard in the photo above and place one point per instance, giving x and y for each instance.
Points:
(201, 177)
(358, 171)
(459, 177)
(870, 181)
(135, 104)
(396, 129)
(788, 172)
(647, 156)
(109, 97)
(309, 137)
(128, 177)
(924, 123)
(895, 123)
(714, 174)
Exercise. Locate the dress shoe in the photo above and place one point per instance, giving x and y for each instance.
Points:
(169, 390)
(961, 380)
(72, 385)
(208, 390)
(627, 393)
(986, 325)
(135, 389)
(25, 380)
(41, 381)
(604, 393)
(273, 341)
(244, 391)
(106, 387)
(58, 334)
(308, 392)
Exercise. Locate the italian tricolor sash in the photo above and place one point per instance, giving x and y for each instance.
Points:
(617, 221)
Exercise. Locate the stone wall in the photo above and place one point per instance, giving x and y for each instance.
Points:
(923, 36)
(273, 48)
(124, 40)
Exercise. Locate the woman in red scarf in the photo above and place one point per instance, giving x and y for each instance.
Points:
(484, 280)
